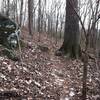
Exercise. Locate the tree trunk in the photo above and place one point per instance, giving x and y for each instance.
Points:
(39, 17)
(21, 13)
(70, 45)
(30, 15)
(8, 3)
(49, 24)
(85, 69)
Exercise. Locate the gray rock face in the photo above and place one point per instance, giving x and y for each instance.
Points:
(9, 34)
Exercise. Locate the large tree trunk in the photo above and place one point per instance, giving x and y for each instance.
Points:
(70, 45)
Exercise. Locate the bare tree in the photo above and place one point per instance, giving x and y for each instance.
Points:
(8, 8)
(21, 13)
(39, 17)
(30, 16)
(70, 45)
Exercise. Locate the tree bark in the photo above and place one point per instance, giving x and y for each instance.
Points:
(70, 45)
(30, 15)
(84, 80)
(21, 13)
(8, 3)
(39, 17)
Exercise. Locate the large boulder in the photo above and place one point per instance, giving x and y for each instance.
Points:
(9, 32)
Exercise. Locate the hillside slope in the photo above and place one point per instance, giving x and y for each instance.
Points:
(40, 75)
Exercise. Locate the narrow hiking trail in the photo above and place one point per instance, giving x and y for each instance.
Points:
(43, 76)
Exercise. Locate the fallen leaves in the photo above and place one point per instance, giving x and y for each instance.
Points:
(43, 76)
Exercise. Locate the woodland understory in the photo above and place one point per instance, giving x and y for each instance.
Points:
(40, 75)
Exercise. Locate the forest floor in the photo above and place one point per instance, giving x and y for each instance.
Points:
(40, 75)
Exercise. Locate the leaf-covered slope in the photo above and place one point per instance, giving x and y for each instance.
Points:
(40, 75)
